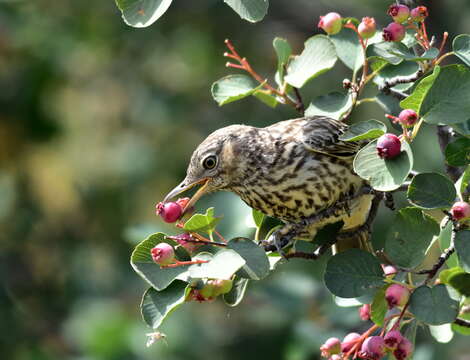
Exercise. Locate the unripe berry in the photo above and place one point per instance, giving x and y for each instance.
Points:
(399, 13)
(170, 211)
(397, 295)
(331, 23)
(389, 269)
(163, 254)
(330, 347)
(403, 350)
(408, 117)
(222, 286)
(419, 13)
(388, 146)
(392, 339)
(460, 210)
(367, 27)
(364, 312)
(373, 348)
(394, 32)
(349, 341)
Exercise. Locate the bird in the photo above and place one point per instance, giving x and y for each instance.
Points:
(298, 171)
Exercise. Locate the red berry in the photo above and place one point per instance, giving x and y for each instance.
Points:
(163, 254)
(373, 348)
(349, 341)
(404, 349)
(397, 295)
(419, 13)
(331, 23)
(330, 347)
(367, 27)
(388, 146)
(364, 312)
(392, 339)
(408, 117)
(399, 13)
(394, 32)
(460, 210)
(170, 211)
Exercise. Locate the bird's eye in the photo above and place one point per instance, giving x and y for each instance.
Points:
(209, 162)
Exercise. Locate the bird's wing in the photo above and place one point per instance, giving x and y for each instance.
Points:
(321, 134)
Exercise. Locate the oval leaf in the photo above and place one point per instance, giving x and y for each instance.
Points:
(431, 191)
(383, 174)
(142, 13)
(379, 306)
(369, 129)
(250, 10)
(418, 95)
(353, 273)
(283, 52)
(333, 105)
(156, 305)
(223, 265)
(462, 183)
(348, 48)
(256, 262)
(200, 222)
(236, 294)
(318, 56)
(458, 152)
(410, 234)
(462, 248)
(232, 88)
(461, 47)
(433, 306)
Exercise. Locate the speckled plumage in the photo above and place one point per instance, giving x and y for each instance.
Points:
(291, 170)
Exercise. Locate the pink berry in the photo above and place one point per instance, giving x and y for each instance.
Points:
(186, 241)
(419, 13)
(367, 27)
(335, 357)
(403, 350)
(364, 312)
(373, 348)
(349, 341)
(397, 295)
(399, 13)
(163, 254)
(392, 339)
(330, 347)
(331, 23)
(408, 117)
(182, 202)
(388, 146)
(389, 269)
(394, 32)
(170, 211)
(460, 210)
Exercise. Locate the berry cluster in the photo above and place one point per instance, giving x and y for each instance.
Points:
(403, 18)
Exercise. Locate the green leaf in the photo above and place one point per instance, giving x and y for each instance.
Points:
(157, 305)
(142, 13)
(460, 282)
(461, 47)
(333, 105)
(383, 51)
(258, 217)
(222, 265)
(389, 103)
(265, 97)
(446, 274)
(383, 174)
(283, 52)
(236, 294)
(421, 90)
(200, 222)
(410, 234)
(250, 10)
(462, 329)
(391, 72)
(348, 48)
(353, 273)
(369, 129)
(433, 306)
(318, 56)
(442, 333)
(462, 128)
(256, 261)
(446, 101)
(462, 248)
(379, 306)
(462, 183)
(458, 152)
(232, 88)
(431, 191)
(444, 243)
(143, 264)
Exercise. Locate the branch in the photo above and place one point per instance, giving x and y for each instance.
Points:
(462, 322)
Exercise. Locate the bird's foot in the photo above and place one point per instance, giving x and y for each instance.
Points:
(279, 240)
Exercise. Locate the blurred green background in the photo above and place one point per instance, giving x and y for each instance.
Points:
(97, 122)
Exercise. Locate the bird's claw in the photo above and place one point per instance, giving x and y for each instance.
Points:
(276, 243)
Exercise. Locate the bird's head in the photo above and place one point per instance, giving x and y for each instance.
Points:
(215, 164)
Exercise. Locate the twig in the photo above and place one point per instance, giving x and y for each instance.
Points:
(300, 104)
(462, 322)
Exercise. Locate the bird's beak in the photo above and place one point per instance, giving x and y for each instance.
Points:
(182, 187)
